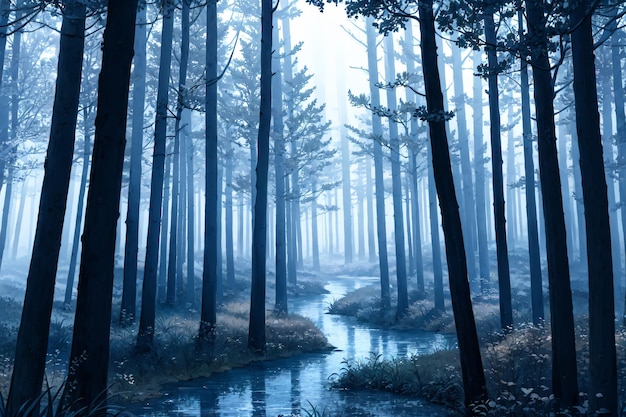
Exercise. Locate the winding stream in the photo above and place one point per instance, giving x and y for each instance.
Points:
(295, 386)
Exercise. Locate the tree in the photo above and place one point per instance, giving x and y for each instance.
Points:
(279, 162)
(131, 246)
(396, 183)
(564, 369)
(602, 356)
(256, 330)
(208, 313)
(434, 113)
(32, 338)
(145, 335)
(88, 365)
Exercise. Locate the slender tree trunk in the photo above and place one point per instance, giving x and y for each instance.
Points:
(256, 332)
(79, 212)
(536, 285)
(471, 363)
(377, 133)
(361, 215)
(131, 246)
(396, 181)
(32, 337)
(578, 192)
(314, 232)
(191, 210)
(511, 192)
(279, 165)
(602, 355)
(174, 279)
(469, 220)
(6, 208)
(434, 234)
(620, 121)
(479, 172)
(165, 215)
(504, 280)
(413, 151)
(90, 342)
(18, 222)
(564, 369)
(208, 314)
(147, 318)
(230, 256)
(371, 241)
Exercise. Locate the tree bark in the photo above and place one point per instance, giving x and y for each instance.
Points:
(256, 331)
(32, 337)
(208, 313)
(602, 355)
(536, 285)
(479, 172)
(131, 246)
(145, 336)
(377, 133)
(87, 382)
(564, 369)
(471, 363)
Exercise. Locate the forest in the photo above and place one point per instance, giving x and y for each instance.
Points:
(312, 208)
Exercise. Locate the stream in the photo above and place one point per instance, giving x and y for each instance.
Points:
(300, 386)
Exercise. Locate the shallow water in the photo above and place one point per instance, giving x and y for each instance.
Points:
(299, 385)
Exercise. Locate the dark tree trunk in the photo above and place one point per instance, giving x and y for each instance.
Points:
(79, 212)
(208, 313)
(191, 269)
(564, 369)
(131, 246)
(504, 279)
(469, 220)
(230, 256)
(145, 335)
(256, 331)
(279, 165)
(471, 363)
(32, 337)
(602, 356)
(620, 119)
(396, 184)
(479, 172)
(434, 234)
(536, 286)
(165, 216)
(377, 133)
(314, 233)
(87, 382)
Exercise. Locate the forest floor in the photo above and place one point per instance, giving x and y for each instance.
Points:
(517, 363)
(175, 357)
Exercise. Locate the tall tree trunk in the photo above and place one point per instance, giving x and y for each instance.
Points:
(396, 183)
(567, 195)
(79, 212)
(620, 121)
(536, 286)
(434, 234)
(18, 222)
(377, 134)
(578, 192)
(361, 215)
(469, 220)
(479, 172)
(131, 246)
(504, 279)
(369, 197)
(32, 337)
(279, 165)
(174, 279)
(87, 382)
(314, 232)
(511, 192)
(165, 215)
(230, 256)
(145, 335)
(413, 151)
(208, 313)
(6, 207)
(256, 331)
(602, 355)
(471, 363)
(564, 369)
(191, 263)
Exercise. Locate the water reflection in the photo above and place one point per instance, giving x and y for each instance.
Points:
(287, 386)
